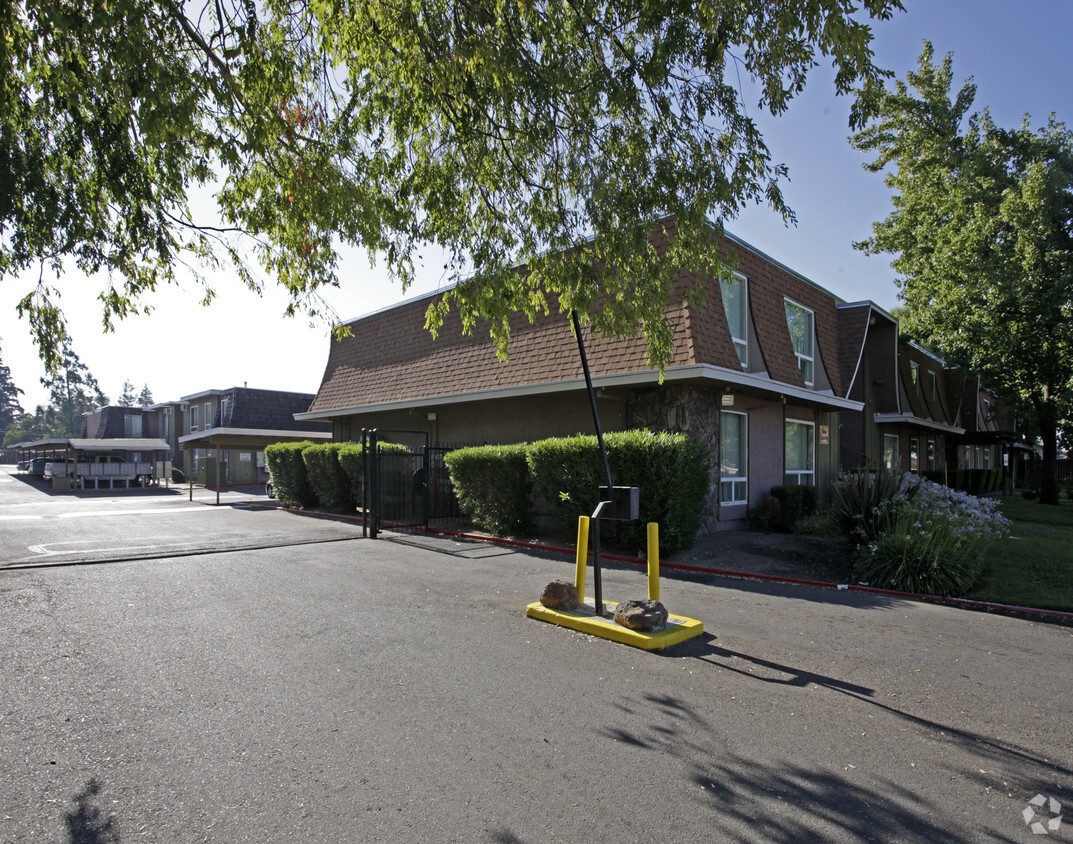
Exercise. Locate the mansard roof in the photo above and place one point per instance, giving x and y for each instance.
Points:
(390, 358)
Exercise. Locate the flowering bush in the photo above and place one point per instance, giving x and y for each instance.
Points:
(934, 544)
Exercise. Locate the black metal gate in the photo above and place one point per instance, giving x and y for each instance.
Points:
(405, 486)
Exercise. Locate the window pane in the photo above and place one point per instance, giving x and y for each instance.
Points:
(734, 457)
(798, 447)
(736, 306)
(732, 444)
(733, 300)
(891, 457)
(799, 321)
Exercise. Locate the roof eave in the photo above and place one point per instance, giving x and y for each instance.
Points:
(647, 377)
(917, 421)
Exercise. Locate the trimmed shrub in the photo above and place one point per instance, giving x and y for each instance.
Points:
(671, 470)
(287, 469)
(795, 503)
(329, 482)
(177, 476)
(352, 463)
(492, 485)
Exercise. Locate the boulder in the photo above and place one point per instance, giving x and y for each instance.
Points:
(560, 595)
(645, 616)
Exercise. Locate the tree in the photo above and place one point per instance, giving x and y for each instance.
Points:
(505, 133)
(126, 398)
(982, 233)
(145, 397)
(74, 391)
(44, 423)
(10, 409)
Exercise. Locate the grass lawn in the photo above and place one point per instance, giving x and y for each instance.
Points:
(1034, 568)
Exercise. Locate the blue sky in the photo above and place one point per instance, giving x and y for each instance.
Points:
(1017, 54)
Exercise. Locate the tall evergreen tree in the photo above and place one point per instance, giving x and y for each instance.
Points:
(73, 390)
(10, 409)
(126, 398)
(145, 397)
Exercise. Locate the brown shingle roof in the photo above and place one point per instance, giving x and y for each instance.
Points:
(390, 357)
(852, 331)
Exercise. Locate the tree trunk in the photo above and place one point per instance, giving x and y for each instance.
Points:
(1047, 415)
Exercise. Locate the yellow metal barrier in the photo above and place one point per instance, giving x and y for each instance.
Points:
(582, 556)
(653, 561)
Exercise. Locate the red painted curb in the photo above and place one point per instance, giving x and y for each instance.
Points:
(852, 587)
(774, 578)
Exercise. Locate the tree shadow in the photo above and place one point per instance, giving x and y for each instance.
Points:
(786, 801)
(87, 823)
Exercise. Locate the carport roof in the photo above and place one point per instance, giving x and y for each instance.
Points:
(252, 434)
(120, 444)
(114, 444)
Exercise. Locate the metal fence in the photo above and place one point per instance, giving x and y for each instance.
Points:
(407, 485)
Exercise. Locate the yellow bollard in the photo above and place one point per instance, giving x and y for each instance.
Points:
(582, 556)
(653, 561)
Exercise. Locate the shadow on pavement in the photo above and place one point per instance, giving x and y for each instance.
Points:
(87, 823)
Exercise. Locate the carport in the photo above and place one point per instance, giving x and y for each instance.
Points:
(90, 463)
(233, 450)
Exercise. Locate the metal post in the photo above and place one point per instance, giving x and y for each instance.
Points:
(364, 484)
(373, 468)
(597, 584)
(592, 398)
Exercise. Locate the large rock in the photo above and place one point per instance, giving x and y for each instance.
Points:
(560, 595)
(641, 615)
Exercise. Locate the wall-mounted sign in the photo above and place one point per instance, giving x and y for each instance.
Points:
(825, 434)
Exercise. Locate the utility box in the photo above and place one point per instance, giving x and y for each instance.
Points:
(625, 503)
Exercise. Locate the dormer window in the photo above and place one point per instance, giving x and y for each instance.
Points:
(801, 322)
(914, 372)
(735, 292)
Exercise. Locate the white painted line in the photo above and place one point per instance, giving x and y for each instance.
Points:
(52, 549)
(18, 518)
(154, 512)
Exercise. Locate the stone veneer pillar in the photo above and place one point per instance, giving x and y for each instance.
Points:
(683, 409)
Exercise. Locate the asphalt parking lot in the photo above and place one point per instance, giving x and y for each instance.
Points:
(333, 688)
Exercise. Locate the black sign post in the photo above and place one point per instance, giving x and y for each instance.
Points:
(620, 502)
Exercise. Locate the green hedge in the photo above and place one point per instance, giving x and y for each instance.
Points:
(329, 481)
(290, 481)
(352, 463)
(492, 485)
(672, 472)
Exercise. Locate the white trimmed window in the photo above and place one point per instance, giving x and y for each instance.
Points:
(733, 457)
(914, 373)
(801, 322)
(914, 454)
(735, 291)
(892, 457)
(800, 453)
(194, 419)
(208, 415)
